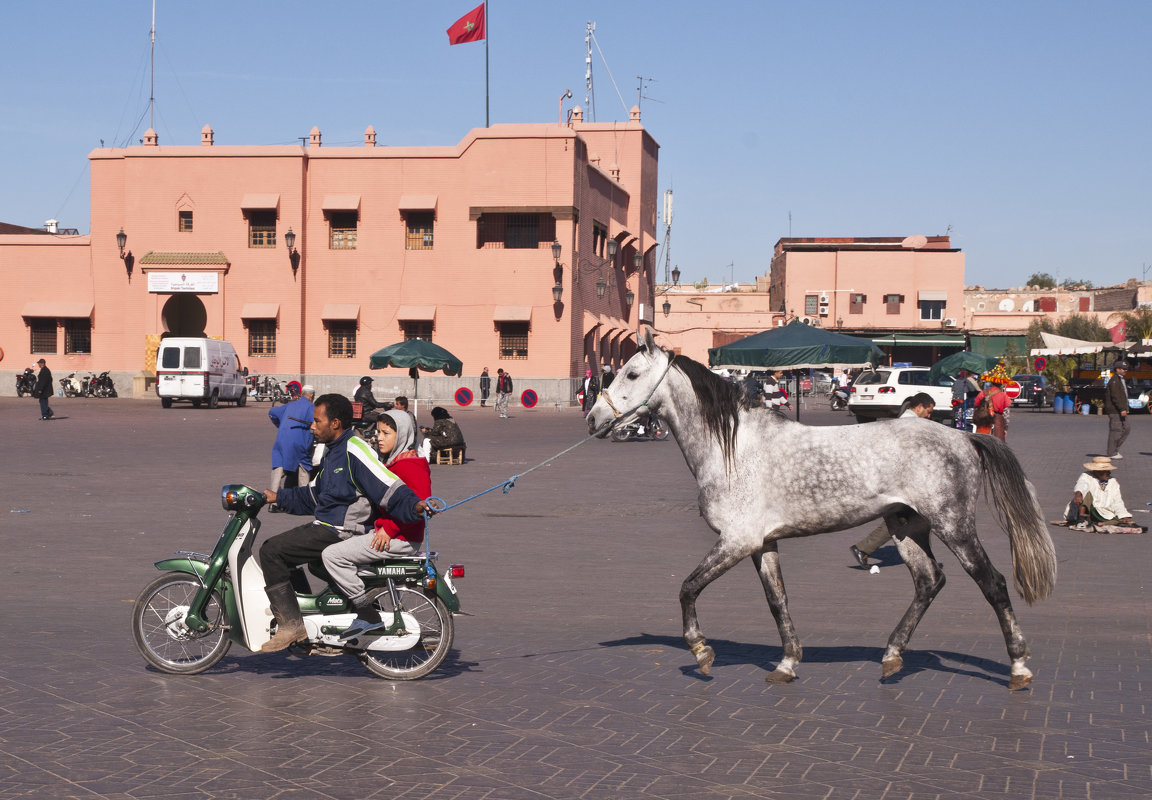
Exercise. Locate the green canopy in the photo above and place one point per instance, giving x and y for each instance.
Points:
(966, 360)
(796, 346)
(419, 354)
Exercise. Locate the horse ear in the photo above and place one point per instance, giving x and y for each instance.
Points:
(649, 340)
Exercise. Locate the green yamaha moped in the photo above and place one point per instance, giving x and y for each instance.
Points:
(185, 620)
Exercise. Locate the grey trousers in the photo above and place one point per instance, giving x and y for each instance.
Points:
(344, 559)
(1118, 429)
(502, 403)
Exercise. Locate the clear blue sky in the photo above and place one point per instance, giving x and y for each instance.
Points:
(1023, 126)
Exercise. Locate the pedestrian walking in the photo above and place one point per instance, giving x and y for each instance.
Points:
(291, 453)
(1116, 407)
(591, 389)
(42, 390)
(503, 391)
(485, 387)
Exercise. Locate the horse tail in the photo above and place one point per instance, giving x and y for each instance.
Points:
(1018, 512)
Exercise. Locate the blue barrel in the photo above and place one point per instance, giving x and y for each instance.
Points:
(1060, 404)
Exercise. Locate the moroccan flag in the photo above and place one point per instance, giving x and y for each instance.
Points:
(469, 28)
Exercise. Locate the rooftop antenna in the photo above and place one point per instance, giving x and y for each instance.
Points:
(667, 235)
(152, 80)
(642, 85)
(589, 94)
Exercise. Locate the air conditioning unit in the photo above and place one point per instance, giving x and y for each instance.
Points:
(824, 300)
(806, 320)
(823, 311)
(949, 322)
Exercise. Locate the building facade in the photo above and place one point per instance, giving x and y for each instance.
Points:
(453, 244)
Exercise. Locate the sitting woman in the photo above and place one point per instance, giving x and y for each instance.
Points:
(444, 433)
(397, 442)
(1096, 501)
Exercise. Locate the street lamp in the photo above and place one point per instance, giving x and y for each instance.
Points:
(629, 298)
(293, 253)
(121, 242)
(637, 260)
(667, 308)
(557, 293)
(676, 276)
(601, 287)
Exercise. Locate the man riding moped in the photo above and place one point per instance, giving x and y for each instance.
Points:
(351, 485)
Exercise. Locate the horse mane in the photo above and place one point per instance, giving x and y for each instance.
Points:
(720, 402)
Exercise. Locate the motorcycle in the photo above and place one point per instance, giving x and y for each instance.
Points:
(185, 621)
(838, 399)
(25, 382)
(102, 386)
(73, 386)
(268, 388)
(652, 429)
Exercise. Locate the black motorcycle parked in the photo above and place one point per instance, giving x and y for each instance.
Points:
(25, 382)
(102, 386)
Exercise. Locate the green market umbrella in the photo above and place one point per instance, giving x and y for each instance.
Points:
(796, 346)
(416, 354)
(977, 363)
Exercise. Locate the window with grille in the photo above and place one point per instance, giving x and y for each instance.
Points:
(599, 238)
(262, 228)
(931, 309)
(893, 302)
(856, 303)
(341, 339)
(513, 340)
(43, 335)
(811, 305)
(261, 337)
(184, 222)
(419, 230)
(77, 335)
(417, 329)
(342, 230)
(515, 231)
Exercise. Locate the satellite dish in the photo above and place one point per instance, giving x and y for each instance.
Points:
(1007, 304)
(1027, 306)
(914, 242)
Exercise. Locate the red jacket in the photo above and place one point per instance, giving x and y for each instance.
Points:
(414, 471)
(1000, 401)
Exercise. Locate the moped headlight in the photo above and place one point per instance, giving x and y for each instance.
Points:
(231, 497)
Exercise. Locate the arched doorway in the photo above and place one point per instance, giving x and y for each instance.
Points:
(184, 315)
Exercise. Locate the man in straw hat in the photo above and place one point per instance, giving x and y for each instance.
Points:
(998, 402)
(1096, 501)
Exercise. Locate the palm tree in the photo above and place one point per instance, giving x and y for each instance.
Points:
(1138, 322)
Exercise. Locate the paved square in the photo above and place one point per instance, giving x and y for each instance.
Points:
(568, 678)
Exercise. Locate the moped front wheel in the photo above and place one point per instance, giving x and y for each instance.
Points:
(160, 633)
(428, 653)
(659, 431)
(621, 433)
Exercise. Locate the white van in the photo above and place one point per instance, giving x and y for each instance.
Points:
(200, 370)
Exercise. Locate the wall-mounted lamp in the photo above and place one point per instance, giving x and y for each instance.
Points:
(558, 270)
(676, 276)
(667, 308)
(557, 293)
(601, 288)
(613, 245)
(121, 242)
(637, 260)
(293, 253)
(629, 298)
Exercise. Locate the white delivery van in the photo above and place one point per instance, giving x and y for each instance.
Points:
(199, 370)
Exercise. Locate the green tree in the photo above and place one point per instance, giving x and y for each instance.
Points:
(1035, 341)
(1041, 279)
(1138, 322)
(1079, 326)
(1075, 283)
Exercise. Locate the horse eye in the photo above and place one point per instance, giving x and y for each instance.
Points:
(633, 376)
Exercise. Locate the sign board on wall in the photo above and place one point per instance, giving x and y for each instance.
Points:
(172, 282)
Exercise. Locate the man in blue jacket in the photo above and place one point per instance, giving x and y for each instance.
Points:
(343, 497)
(290, 453)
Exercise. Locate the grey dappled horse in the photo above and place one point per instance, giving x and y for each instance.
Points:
(763, 478)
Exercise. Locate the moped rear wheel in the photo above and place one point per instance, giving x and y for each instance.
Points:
(435, 638)
(160, 633)
(659, 431)
(621, 433)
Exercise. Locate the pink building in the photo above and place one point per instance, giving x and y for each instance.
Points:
(453, 244)
(907, 295)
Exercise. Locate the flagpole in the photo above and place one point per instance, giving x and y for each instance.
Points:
(487, 28)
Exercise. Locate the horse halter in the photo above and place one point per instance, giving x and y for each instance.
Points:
(621, 414)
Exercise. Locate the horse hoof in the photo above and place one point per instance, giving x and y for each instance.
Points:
(890, 666)
(1020, 682)
(780, 676)
(705, 658)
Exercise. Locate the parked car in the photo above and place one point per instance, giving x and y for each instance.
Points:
(884, 392)
(203, 371)
(1034, 391)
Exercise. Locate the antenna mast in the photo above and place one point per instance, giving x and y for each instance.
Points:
(667, 235)
(590, 94)
(152, 80)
